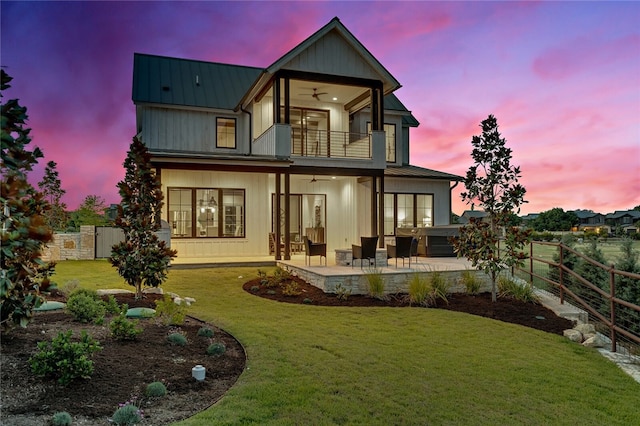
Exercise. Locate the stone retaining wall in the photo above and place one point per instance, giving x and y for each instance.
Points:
(74, 245)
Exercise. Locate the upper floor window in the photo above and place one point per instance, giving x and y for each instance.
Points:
(225, 133)
(390, 141)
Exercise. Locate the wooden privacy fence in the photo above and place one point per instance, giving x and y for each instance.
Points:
(599, 300)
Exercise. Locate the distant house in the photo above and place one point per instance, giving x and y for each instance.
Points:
(316, 145)
(468, 214)
(624, 219)
(589, 220)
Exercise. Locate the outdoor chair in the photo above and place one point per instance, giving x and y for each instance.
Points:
(272, 244)
(314, 249)
(366, 250)
(402, 249)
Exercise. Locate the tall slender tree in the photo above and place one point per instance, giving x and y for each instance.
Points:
(51, 188)
(492, 183)
(142, 259)
(24, 228)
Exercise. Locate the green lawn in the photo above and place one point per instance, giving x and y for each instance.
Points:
(310, 365)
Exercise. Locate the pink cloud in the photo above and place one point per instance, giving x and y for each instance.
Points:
(584, 54)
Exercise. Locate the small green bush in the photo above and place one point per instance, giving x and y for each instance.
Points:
(307, 301)
(205, 332)
(419, 290)
(111, 305)
(128, 414)
(376, 283)
(123, 328)
(511, 289)
(69, 287)
(61, 418)
(291, 288)
(85, 305)
(342, 293)
(177, 339)
(439, 286)
(155, 389)
(169, 312)
(470, 281)
(255, 288)
(63, 359)
(216, 349)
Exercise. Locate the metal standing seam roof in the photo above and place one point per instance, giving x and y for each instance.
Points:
(186, 82)
(174, 81)
(419, 172)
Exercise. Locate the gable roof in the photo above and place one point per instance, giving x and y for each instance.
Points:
(173, 81)
(419, 172)
(339, 38)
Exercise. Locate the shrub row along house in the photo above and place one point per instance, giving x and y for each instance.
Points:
(314, 145)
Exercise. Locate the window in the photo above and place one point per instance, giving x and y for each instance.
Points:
(407, 211)
(206, 212)
(390, 141)
(225, 133)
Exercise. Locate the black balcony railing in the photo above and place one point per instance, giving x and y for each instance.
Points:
(330, 144)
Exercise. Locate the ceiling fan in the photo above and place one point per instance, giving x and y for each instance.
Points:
(315, 94)
(314, 180)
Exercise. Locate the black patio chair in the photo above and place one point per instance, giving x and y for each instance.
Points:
(402, 249)
(366, 250)
(314, 249)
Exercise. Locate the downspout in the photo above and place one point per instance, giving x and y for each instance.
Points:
(250, 129)
(451, 198)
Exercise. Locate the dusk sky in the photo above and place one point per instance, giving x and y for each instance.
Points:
(562, 78)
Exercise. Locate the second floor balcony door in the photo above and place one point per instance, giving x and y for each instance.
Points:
(310, 130)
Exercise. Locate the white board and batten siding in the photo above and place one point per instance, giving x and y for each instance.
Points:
(189, 130)
(257, 211)
(331, 54)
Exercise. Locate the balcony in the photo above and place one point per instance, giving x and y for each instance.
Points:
(314, 147)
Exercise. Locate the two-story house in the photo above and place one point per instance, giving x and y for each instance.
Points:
(315, 144)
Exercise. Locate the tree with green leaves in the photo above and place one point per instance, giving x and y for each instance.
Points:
(142, 259)
(555, 219)
(90, 212)
(492, 183)
(23, 216)
(51, 188)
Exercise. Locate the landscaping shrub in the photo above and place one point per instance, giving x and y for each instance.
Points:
(216, 349)
(155, 389)
(85, 305)
(127, 414)
(342, 293)
(291, 289)
(177, 339)
(521, 291)
(470, 281)
(419, 289)
(61, 418)
(205, 332)
(63, 359)
(169, 312)
(375, 282)
(439, 286)
(123, 328)
(111, 305)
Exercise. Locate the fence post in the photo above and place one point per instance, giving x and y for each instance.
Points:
(531, 261)
(561, 274)
(612, 307)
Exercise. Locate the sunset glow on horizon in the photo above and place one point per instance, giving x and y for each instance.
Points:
(562, 78)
